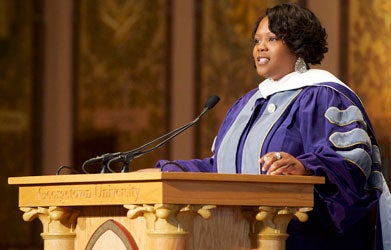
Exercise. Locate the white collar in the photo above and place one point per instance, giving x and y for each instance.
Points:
(296, 80)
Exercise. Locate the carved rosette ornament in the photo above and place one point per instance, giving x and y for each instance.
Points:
(58, 224)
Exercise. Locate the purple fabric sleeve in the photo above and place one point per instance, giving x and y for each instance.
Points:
(344, 193)
(194, 165)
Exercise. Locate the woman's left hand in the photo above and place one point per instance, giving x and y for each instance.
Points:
(281, 163)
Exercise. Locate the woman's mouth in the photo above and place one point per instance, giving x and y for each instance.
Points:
(262, 60)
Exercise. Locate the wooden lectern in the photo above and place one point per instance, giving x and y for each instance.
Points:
(163, 210)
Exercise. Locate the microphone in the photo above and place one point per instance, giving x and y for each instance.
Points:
(126, 157)
(104, 159)
(101, 158)
(210, 103)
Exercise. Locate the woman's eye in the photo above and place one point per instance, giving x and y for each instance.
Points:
(273, 39)
(255, 41)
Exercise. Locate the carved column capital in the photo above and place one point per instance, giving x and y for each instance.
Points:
(276, 219)
(169, 218)
(58, 224)
(268, 225)
(168, 225)
(55, 220)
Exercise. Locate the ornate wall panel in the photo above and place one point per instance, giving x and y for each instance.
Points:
(19, 74)
(369, 71)
(122, 77)
(224, 54)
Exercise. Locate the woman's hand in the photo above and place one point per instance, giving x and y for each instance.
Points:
(281, 163)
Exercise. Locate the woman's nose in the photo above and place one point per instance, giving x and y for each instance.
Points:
(261, 46)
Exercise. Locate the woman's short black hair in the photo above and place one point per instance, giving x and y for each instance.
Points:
(300, 29)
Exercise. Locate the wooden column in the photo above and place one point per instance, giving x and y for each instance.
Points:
(169, 226)
(58, 224)
(268, 225)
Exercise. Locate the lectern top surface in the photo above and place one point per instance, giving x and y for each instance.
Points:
(161, 176)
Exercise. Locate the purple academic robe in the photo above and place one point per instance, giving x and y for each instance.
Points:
(326, 128)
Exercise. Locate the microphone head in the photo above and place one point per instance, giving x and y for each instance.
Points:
(212, 101)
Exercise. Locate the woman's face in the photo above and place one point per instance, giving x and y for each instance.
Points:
(272, 57)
